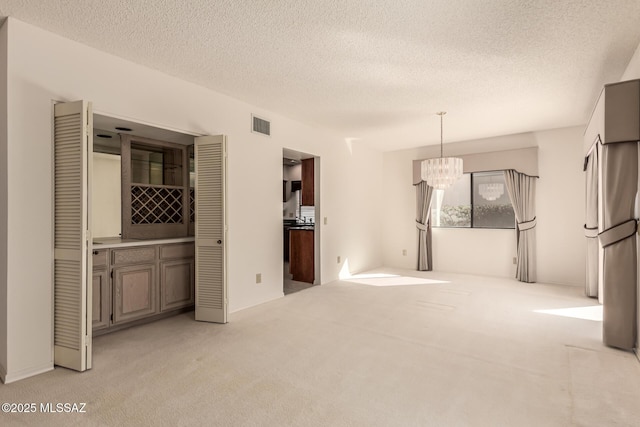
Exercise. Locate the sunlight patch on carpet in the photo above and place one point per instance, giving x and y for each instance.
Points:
(586, 313)
(382, 279)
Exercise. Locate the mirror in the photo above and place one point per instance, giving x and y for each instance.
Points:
(153, 165)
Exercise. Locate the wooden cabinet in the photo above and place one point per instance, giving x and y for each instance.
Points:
(155, 188)
(137, 284)
(284, 191)
(101, 307)
(176, 284)
(134, 286)
(134, 292)
(135, 255)
(308, 193)
(301, 255)
(177, 250)
(177, 279)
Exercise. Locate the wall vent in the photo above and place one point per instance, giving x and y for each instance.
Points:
(260, 125)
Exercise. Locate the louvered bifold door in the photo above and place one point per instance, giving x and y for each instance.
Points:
(72, 265)
(210, 228)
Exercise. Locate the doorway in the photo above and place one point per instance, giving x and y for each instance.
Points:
(301, 231)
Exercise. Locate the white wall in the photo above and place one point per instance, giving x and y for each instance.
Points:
(633, 69)
(560, 206)
(106, 200)
(475, 251)
(359, 224)
(292, 173)
(560, 212)
(44, 67)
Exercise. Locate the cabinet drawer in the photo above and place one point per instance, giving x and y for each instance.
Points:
(177, 250)
(133, 255)
(100, 258)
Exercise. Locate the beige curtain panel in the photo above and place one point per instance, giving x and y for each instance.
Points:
(591, 223)
(522, 193)
(619, 188)
(615, 123)
(424, 194)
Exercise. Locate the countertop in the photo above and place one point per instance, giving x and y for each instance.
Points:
(291, 224)
(118, 242)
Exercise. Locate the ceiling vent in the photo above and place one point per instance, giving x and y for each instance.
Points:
(260, 125)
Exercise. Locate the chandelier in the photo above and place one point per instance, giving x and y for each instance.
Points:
(491, 191)
(442, 172)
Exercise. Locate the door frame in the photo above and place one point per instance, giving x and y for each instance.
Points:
(86, 303)
(319, 221)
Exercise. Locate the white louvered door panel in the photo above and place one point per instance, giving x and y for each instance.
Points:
(72, 265)
(210, 227)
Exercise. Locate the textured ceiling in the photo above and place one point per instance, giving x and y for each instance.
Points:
(375, 71)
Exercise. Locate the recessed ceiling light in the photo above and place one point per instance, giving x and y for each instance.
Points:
(124, 129)
(102, 135)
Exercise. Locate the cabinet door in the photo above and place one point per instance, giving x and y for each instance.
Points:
(302, 256)
(101, 302)
(308, 183)
(176, 284)
(134, 292)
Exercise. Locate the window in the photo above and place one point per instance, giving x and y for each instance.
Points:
(452, 207)
(491, 205)
(477, 200)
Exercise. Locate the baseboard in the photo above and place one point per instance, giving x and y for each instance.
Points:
(24, 373)
(278, 296)
(143, 321)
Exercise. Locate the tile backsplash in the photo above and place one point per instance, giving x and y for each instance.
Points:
(291, 209)
(308, 212)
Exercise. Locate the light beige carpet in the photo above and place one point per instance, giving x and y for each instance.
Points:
(383, 349)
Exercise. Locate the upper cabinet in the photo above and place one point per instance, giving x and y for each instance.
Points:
(308, 196)
(156, 196)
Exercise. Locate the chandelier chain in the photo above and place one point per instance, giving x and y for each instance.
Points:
(441, 113)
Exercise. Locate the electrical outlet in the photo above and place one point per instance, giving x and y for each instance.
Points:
(404, 252)
(259, 278)
(515, 260)
(338, 259)
(325, 220)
